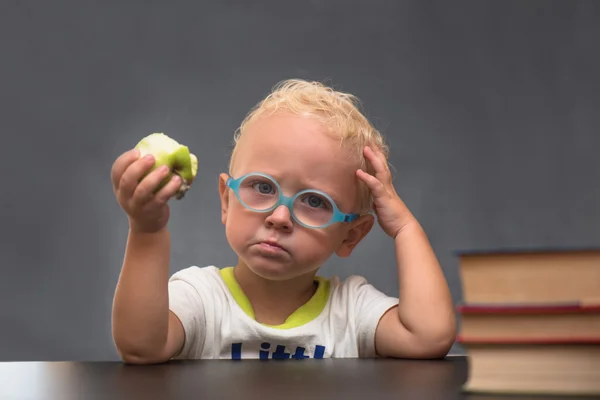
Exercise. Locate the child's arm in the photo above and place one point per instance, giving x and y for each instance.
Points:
(144, 330)
(423, 325)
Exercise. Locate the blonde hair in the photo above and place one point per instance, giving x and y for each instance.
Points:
(338, 111)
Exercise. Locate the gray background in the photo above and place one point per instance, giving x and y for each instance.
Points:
(490, 109)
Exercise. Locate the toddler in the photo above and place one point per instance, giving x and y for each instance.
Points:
(308, 178)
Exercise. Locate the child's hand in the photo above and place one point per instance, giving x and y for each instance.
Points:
(391, 211)
(148, 211)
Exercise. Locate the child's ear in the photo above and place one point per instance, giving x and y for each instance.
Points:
(358, 230)
(224, 194)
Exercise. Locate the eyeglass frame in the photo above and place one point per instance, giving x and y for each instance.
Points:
(288, 201)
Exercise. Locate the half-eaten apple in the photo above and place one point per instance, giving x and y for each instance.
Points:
(177, 157)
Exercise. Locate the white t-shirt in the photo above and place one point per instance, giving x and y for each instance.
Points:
(338, 321)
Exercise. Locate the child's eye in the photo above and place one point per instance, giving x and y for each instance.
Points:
(263, 187)
(315, 201)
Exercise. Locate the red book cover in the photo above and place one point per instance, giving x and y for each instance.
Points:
(525, 341)
(528, 308)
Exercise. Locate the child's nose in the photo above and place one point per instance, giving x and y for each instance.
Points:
(280, 218)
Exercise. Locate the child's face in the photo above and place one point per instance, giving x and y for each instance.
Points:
(296, 152)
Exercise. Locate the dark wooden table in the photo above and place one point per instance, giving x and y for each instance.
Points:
(249, 379)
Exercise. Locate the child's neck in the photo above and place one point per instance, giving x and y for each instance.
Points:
(274, 301)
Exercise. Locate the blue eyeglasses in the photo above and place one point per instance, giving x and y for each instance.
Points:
(310, 208)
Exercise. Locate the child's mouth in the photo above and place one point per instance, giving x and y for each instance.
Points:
(271, 248)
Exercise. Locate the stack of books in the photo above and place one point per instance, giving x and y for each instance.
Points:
(530, 321)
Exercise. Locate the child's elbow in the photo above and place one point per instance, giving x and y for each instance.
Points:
(132, 357)
(437, 343)
(141, 360)
(441, 347)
